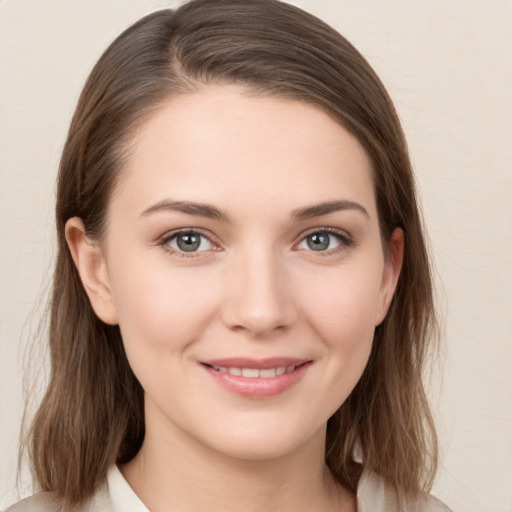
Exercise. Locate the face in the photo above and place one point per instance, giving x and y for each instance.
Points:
(243, 262)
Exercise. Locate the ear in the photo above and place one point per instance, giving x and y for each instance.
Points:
(392, 266)
(91, 265)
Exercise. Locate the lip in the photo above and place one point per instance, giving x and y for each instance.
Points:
(257, 387)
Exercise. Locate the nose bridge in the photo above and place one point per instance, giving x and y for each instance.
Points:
(258, 294)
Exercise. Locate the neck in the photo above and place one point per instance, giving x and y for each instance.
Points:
(179, 474)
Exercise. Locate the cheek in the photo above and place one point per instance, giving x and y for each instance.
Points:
(340, 309)
(340, 313)
(158, 310)
(344, 304)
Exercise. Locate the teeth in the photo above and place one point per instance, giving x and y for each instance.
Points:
(253, 373)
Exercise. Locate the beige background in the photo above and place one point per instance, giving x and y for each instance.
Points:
(447, 64)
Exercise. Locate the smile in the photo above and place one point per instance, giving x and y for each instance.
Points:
(257, 379)
(255, 373)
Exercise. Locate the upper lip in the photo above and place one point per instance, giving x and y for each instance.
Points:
(255, 363)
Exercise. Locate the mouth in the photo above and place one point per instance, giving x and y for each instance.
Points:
(257, 378)
(255, 373)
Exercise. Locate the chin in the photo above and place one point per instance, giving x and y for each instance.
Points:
(263, 444)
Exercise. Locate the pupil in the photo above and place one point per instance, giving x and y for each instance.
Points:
(189, 242)
(318, 241)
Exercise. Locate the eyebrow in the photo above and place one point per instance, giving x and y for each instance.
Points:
(211, 212)
(188, 207)
(329, 207)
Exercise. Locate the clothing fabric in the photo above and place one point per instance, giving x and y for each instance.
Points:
(116, 495)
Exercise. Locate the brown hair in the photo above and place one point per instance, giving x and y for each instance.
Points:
(92, 414)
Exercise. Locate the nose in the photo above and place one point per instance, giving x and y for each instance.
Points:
(258, 295)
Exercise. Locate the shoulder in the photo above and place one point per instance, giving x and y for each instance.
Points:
(47, 502)
(114, 495)
(40, 502)
(375, 495)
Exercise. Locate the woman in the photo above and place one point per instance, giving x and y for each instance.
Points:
(242, 302)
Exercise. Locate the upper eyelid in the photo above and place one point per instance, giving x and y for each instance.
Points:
(345, 240)
(166, 238)
(175, 232)
(326, 229)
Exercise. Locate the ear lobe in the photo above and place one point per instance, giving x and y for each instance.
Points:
(92, 268)
(391, 273)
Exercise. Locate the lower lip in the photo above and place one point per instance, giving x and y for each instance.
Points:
(258, 387)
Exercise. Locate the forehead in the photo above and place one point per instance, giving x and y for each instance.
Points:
(227, 144)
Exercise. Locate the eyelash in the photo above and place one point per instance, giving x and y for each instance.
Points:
(169, 237)
(344, 239)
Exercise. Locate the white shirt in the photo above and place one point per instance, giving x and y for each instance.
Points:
(373, 495)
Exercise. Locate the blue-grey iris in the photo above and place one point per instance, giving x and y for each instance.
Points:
(188, 242)
(318, 241)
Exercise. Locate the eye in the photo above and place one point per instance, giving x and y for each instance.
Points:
(188, 242)
(323, 241)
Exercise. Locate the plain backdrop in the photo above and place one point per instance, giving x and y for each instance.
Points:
(448, 67)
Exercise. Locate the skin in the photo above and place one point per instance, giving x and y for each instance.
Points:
(254, 288)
